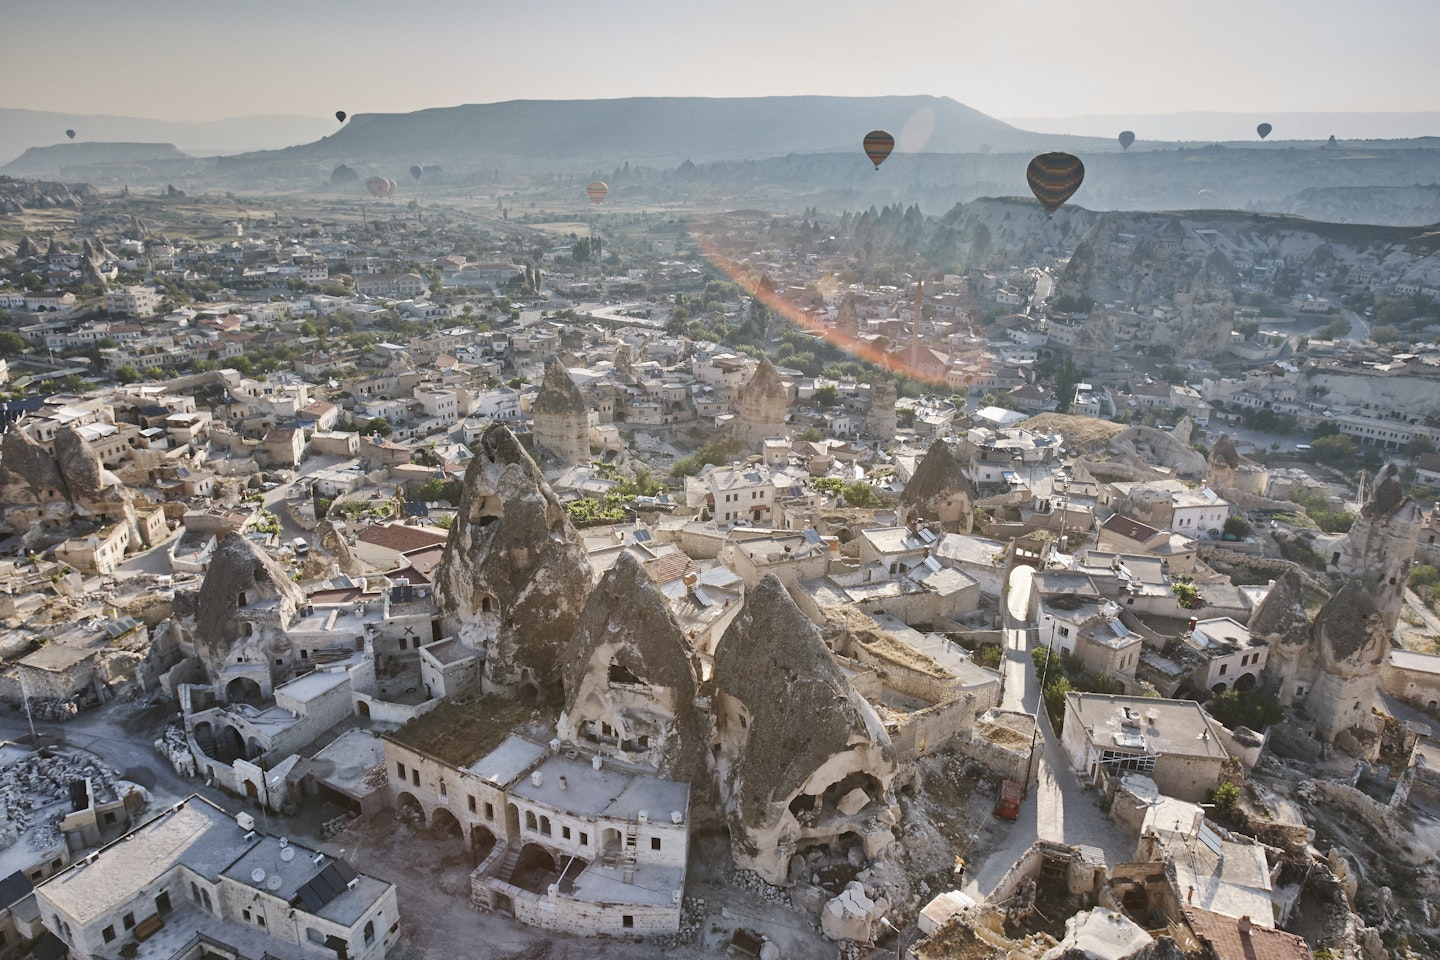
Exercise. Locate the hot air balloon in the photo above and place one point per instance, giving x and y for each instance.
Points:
(1264, 130)
(416, 170)
(1054, 178)
(1127, 137)
(70, 134)
(340, 115)
(381, 187)
(878, 145)
(596, 190)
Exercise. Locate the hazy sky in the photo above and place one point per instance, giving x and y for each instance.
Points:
(201, 59)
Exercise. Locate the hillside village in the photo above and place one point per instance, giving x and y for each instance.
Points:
(975, 586)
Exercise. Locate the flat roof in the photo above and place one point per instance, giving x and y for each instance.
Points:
(1164, 727)
(195, 833)
(461, 733)
(514, 756)
(349, 757)
(611, 791)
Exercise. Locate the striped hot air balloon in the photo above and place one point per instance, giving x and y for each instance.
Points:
(596, 190)
(878, 145)
(1054, 178)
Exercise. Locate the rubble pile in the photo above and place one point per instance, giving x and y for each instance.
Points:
(173, 746)
(692, 916)
(31, 786)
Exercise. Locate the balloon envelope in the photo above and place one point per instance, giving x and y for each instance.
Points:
(1054, 178)
(878, 145)
(1264, 130)
(340, 115)
(70, 134)
(596, 190)
(381, 186)
(1127, 137)
(416, 170)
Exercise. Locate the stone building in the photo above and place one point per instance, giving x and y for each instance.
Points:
(761, 406)
(880, 418)
(939, 492)
(1227, 471)
(193, 870)
(802, 760)
(562, 426)
(514, 576)
(1381, 544)
(1173, 742)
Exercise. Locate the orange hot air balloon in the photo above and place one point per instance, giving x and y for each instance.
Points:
(878, 145)
(340, 115)
(596, 190)
(1054, 178)
(381, 187)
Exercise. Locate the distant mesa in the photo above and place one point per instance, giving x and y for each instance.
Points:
(52, 160)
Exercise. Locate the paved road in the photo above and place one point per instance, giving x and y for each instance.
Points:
(1057, 806)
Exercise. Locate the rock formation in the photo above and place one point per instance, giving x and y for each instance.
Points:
(1282, 621)
(1352, 640)
(1381, 544)
(847, 319)
(1145, 447)
(629, 680)
(244, 606)
(800, 758)
(37, 488)
(761, 406)
(514, 577)
(562, 427)
(939, 491)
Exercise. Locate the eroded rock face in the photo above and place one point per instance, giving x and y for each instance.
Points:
(939, 490)
(1144, 447)
(72, 484)
(1352, 640)
(1381, 544)
(880, 418)
(628, 669)
(794, 740)
(514, 577)
(245, 603)
(761, 406)
(561, 417)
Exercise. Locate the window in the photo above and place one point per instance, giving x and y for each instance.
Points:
(470, 802)
(129, 921)
(400, 769)
(415, 777)
(1064, 631)
(489, 812)
(565, 833)
(654, 843)
(246, 915)
(530, 823)
(108, 933)
(370, 932)
(443, 791)
(313, 935)
(584, 839)
(260, 919)
(627, 921)
(1224, 668)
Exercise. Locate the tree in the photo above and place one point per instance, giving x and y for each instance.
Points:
(858, 493)
(1338, 450)
(826, 396)
(378, 426)
(1226, 797)
(12, 344)
(1424, 575)
(1238, 527)
(127, 375)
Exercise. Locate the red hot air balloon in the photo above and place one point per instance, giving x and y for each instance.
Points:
(70, 134)
(1127, 137)
(878, 145)
(1054, 178)
(596, 190)
(1264, 130)
(381, 187)
(340, 115)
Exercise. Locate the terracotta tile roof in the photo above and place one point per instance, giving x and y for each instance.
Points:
(1131, 529)
(399, 537)
(1226, 940)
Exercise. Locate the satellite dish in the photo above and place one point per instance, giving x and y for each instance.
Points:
(258, 875)
(287, 854)
(273, 883)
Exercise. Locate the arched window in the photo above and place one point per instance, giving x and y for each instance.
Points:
(370, 933)
(530, 820)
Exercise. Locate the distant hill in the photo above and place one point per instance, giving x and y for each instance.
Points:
(53, 161)
(659, 131)
(22, 129)
(1209, 127)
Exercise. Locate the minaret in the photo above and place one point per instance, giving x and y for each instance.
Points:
(915, 327)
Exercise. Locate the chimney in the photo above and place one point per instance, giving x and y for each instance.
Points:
(1244, 925)
(564, 783)
(1194, 622)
